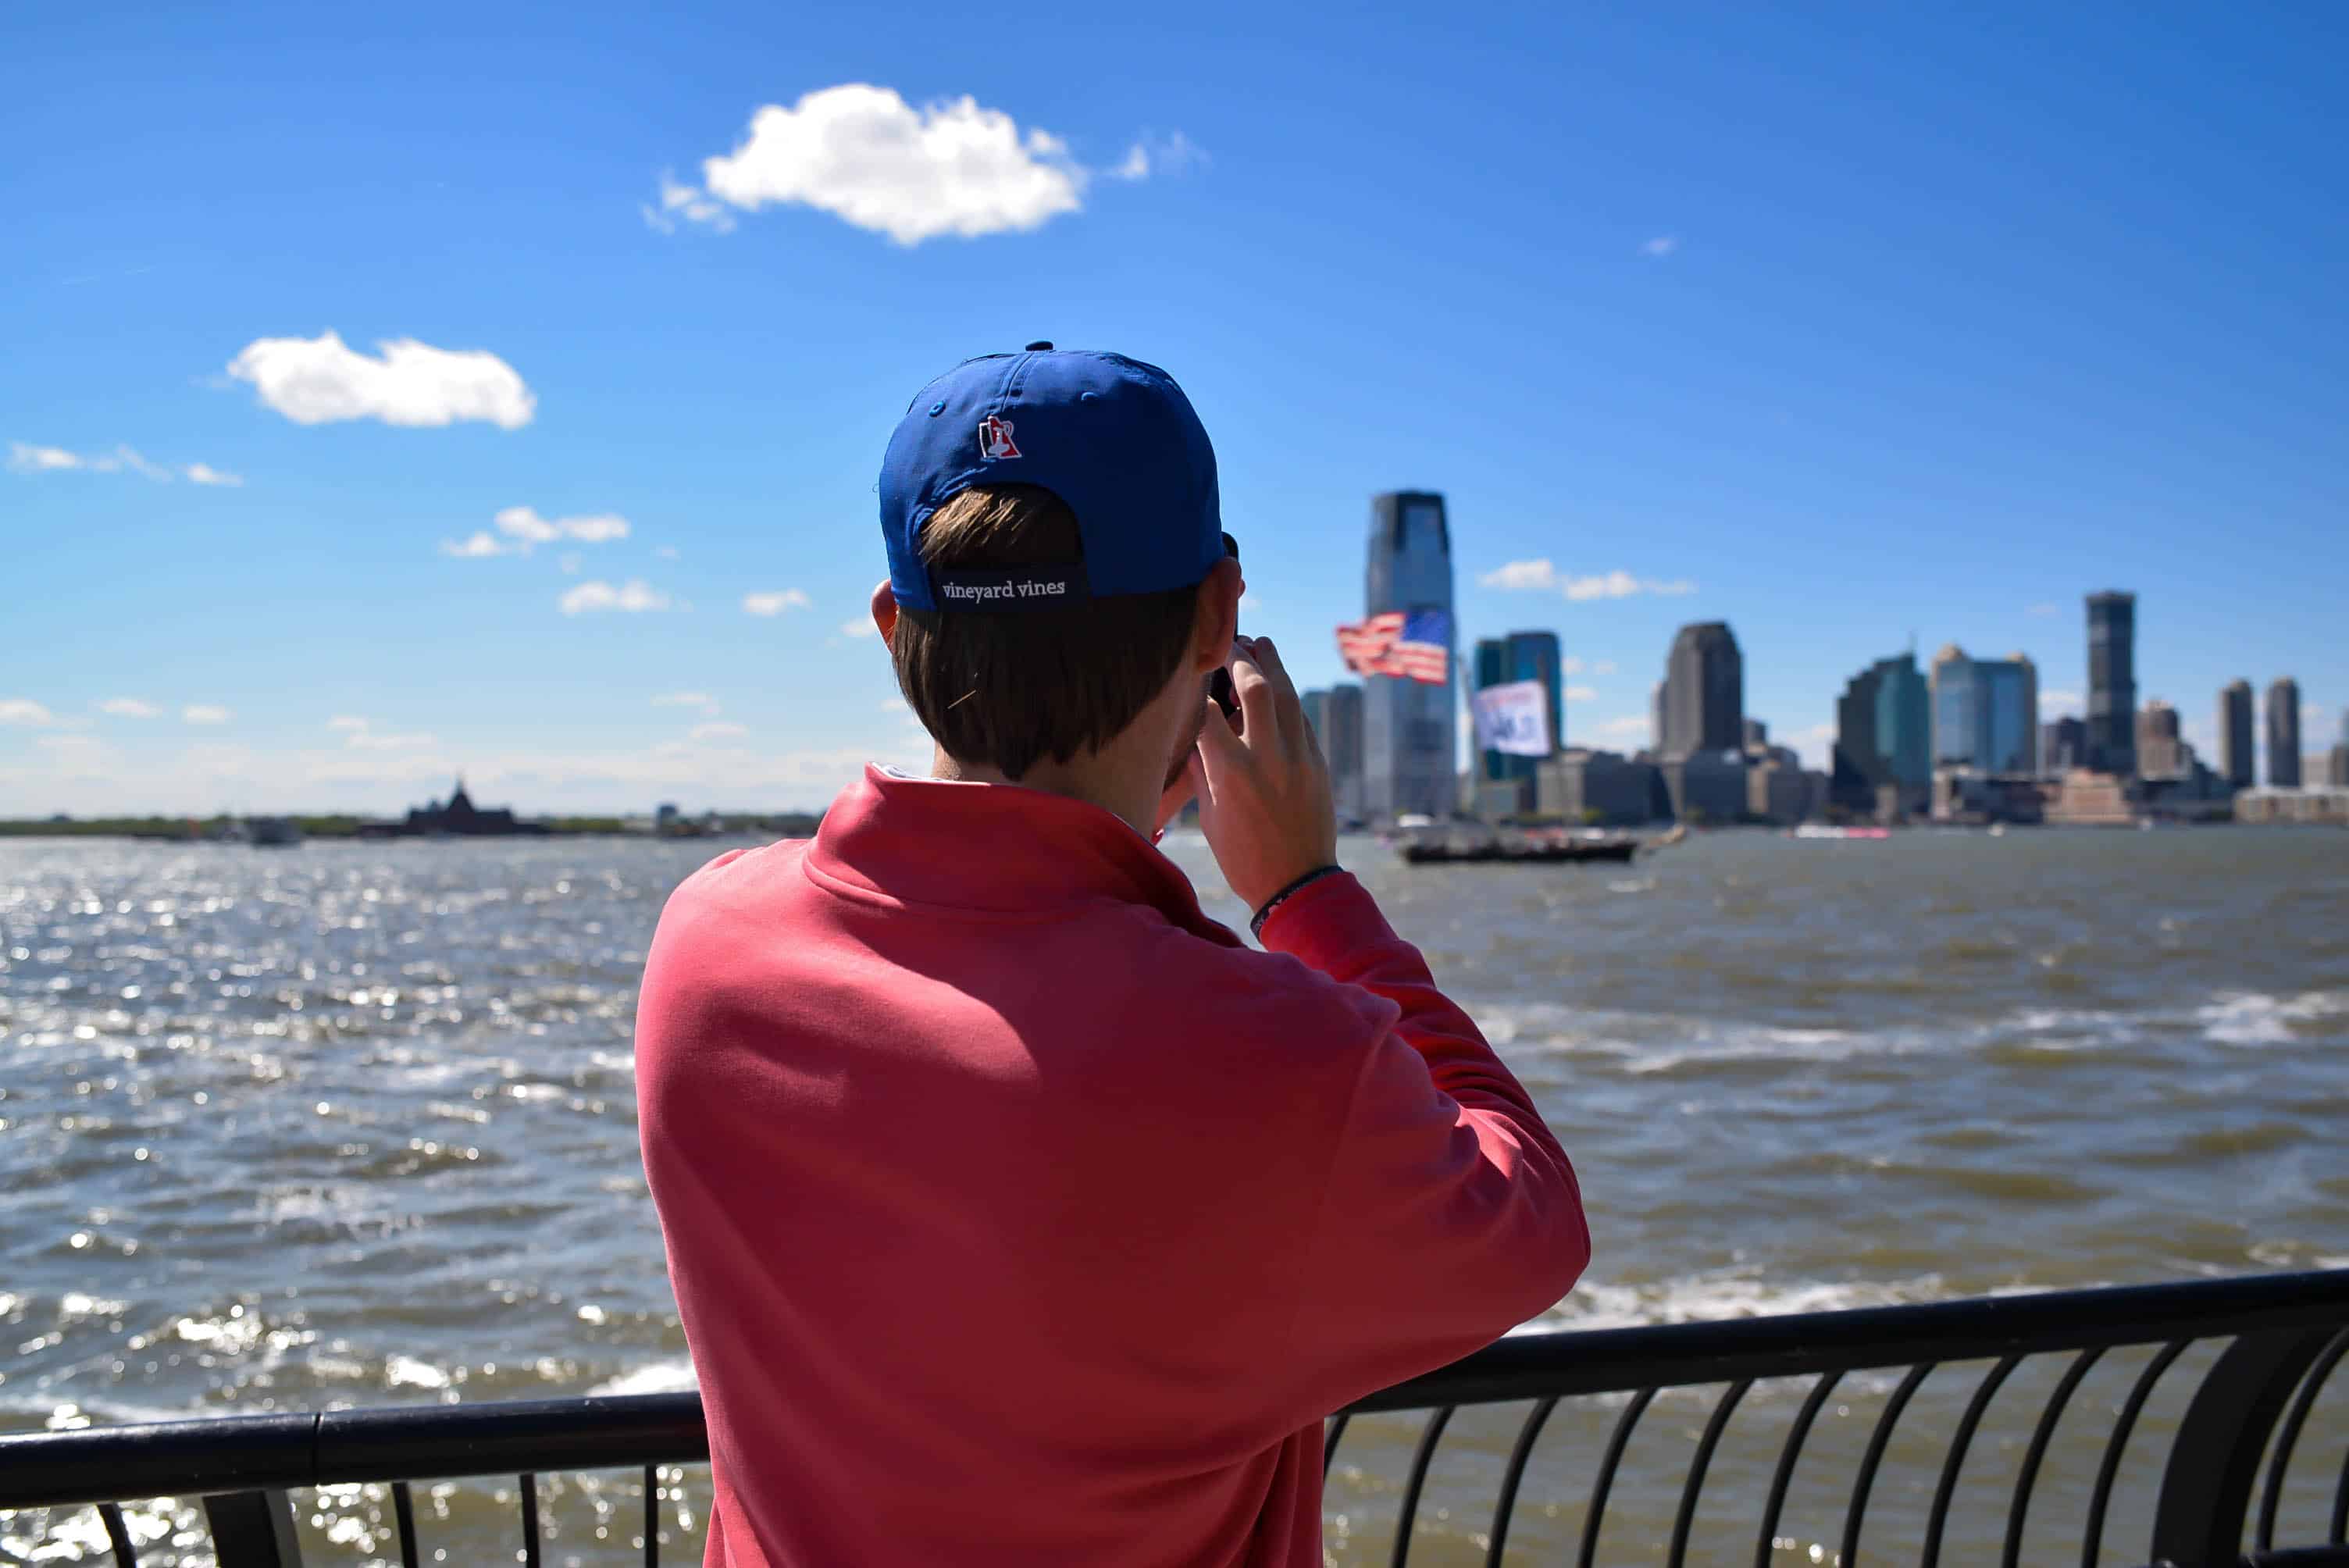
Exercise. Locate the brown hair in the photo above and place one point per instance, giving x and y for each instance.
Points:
(1007, 687)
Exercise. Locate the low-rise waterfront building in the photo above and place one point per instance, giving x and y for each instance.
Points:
(1581, 785)
(1785, 792)
(2085, 798)
(2316, 803)
(1707, 787)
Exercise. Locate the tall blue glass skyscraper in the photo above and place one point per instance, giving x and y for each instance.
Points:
(1985, 713)
(1409, 728)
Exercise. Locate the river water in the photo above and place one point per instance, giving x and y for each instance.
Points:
(355, 1124)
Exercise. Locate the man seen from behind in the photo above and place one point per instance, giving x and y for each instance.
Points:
(1017, 1212)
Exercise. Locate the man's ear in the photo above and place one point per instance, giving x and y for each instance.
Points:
(884, 610)
(1216, 620)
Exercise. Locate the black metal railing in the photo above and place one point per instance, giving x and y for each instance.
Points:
(2232, 1446)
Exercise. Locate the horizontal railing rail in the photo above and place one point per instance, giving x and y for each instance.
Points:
(2252, 1409)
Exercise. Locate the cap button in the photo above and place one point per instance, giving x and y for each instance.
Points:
(1040, 348)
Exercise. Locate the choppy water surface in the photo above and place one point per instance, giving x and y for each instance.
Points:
(355, 1124)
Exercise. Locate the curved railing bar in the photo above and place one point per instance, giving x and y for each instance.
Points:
(1960, 1441)
(117, 1534)
(2272, 1495)
(403, 1512)
(1330, 1443)
(1505, 1506)
(2340, 1530)
(2028, 1476)
(652, 1516)
(2092, 1537)
(529, 1520)
(1686, 1518)
(1876, 1442)
(1425, 1455)
(1616, 1442)
(1766, 1543)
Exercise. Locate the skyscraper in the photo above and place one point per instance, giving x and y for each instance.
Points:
(1703, 705)
(2283, 734)
(2112, 683)
(2011, 727)
(1336, 716)
(1985, 713)
(1883, 740)
(2063, 746)
(1409, 728)
(2160, 750)
(2238, 765)
(1522, 657)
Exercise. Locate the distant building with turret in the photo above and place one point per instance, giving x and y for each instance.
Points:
(457, 818)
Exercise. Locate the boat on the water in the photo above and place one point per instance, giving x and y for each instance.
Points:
(1532, 851)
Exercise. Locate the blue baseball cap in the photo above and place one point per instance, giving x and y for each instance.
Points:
(1114, 438)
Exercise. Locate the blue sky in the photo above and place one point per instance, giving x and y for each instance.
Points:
(1856, 324)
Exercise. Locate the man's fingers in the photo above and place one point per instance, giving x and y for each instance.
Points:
(1218, 748)
(1289, 708)
(1260, 703)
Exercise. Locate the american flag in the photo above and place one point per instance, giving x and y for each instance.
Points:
(1412, 645)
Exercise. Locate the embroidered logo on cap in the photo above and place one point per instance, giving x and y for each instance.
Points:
(995, 439)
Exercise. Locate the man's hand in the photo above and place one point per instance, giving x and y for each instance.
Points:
(1264, 792)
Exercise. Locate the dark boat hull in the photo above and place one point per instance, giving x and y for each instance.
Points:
(1613, 849)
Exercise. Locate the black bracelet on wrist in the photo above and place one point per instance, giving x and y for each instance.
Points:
(1256, 925)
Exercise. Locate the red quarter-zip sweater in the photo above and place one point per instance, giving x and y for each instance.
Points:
(1018, 1213)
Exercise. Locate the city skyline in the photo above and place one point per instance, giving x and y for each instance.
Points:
(362, 426)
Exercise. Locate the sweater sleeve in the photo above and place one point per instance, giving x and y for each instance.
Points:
(1451, 1215)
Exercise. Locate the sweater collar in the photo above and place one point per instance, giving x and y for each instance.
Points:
(995, 847)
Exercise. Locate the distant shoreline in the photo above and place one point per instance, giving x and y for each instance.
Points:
(339, 826)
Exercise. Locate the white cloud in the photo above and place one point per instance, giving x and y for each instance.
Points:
(1581, 694)
(2044, 610)
(128, 457)
(205, 713)
(2061, 705)
(857, 626)
(1623, 728)
(569, 563)
(701, 699)
(866, 156)
(775, 602)
(720, 729)
(524, 525)
(317, 380)
(684, 201)
(665, 551)
(23, 710)
(359, 735)
(1521, 574)
(1660, 247)
(893, 705)
(129, 707)
(25, 459)
(1543, 576)
(1571, 665)
(1174, 154)
(634, 595)
(1603, 667)
(479, 543)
